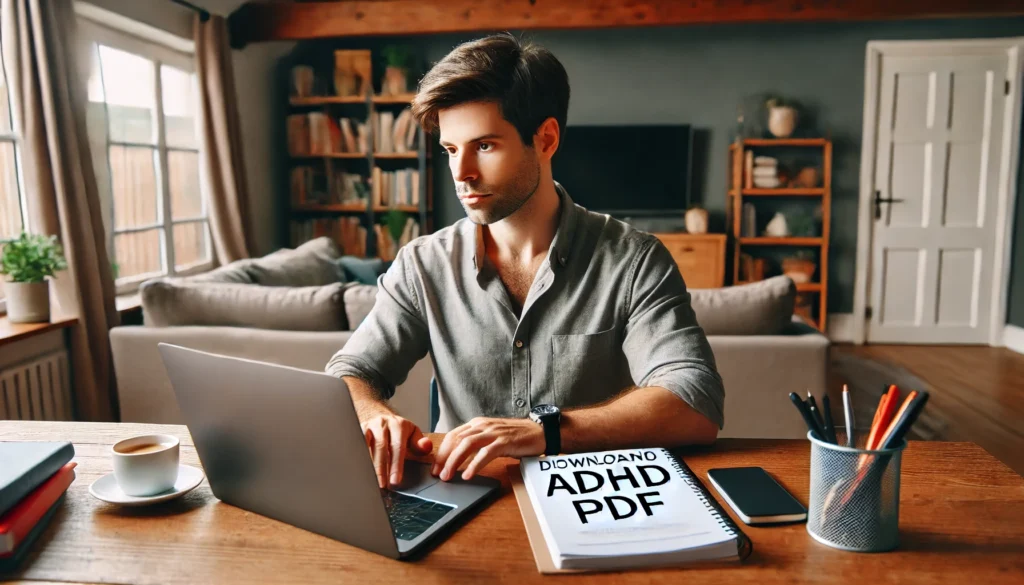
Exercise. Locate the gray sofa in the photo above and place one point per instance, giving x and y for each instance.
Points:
(255, 308)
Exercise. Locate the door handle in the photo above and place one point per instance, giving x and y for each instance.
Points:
(879, 200)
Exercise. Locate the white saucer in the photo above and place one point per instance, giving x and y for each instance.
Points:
(106, 488)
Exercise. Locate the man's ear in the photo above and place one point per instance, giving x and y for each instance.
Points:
(546, 139)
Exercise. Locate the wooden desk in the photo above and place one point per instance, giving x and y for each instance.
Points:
(961, 521)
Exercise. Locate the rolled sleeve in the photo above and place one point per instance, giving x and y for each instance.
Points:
(664, 345)
(392, 338)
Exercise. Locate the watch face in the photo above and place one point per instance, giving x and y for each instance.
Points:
(545, 409)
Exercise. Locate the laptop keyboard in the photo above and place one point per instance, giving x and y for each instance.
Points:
(411, 516)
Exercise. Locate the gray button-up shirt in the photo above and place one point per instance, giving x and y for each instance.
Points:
(608, 310)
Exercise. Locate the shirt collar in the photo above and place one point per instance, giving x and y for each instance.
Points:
(561, 246)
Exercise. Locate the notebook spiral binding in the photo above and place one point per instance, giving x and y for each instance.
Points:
(686, 474)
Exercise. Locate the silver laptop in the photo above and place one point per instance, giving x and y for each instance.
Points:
(286, 443)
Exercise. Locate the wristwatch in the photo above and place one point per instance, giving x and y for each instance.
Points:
(549, 417)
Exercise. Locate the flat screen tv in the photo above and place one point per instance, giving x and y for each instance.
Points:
(626, 170)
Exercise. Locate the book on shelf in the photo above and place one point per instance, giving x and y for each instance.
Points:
(748, 225)
(387, 247)
(317, 134)
(310, 185)
(621, 509)
(347, 232)
(393, 188)
(393, 134)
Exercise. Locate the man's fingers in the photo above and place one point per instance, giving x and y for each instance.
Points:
(380, 454)
(482, 458)
(399, 431)
(465, 446)
(447, 445)
(418, 443)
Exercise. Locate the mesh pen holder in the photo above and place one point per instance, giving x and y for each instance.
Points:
(855, 496)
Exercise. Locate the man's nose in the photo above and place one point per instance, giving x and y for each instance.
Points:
(464, 169)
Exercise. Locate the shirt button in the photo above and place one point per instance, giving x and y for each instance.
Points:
(562, 260)
(520, 402)
(519, 343)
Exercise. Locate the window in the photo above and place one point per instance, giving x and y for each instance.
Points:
(12, 208)
(142, 127)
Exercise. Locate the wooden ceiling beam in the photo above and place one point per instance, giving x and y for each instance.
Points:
(262, 20)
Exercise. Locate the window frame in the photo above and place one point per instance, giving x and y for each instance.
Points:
(93, 33)
(15, 139)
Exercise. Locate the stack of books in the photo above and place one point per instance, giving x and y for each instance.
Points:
(33, 480)
(317, 134)
(387, 247)
(391, 188)
(310, 185)
(347, 232)
(394, 134)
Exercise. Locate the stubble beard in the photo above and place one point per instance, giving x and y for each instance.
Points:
(506, 199)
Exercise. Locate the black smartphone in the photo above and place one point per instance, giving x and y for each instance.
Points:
(755, 496)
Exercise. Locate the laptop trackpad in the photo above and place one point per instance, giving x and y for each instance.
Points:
(415, 477)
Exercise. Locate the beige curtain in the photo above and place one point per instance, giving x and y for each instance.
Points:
(49, 98)
(220, 133)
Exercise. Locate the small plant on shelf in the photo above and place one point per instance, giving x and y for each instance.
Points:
(397, 60)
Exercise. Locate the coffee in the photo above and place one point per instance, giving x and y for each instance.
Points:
(141, 448)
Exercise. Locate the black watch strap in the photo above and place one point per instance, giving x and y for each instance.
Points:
(552, 434)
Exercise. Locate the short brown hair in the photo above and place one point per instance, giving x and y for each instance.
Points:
(526, 81)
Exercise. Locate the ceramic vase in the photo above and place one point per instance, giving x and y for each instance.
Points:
(782, 121)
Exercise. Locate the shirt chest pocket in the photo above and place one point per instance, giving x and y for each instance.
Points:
(588, 368)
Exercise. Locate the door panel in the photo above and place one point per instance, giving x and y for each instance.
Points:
(939, 133)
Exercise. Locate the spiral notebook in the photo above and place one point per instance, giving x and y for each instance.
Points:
(621, 509)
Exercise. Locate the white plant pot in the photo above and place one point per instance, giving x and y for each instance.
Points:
(28, 302)
(696, 220)
(782, 121)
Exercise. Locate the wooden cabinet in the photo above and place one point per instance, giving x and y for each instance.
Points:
(700, 257)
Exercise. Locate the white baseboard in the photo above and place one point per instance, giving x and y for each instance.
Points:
(840, 327)
(1013, 338)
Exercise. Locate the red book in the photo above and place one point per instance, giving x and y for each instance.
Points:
(19, 520)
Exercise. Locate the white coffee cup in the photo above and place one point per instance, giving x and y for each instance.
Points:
(146, 465)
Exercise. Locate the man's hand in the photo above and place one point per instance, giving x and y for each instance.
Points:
(390, 438)
(488, 438)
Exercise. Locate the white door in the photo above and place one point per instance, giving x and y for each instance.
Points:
(938, 157)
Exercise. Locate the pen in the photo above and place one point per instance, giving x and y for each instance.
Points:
(812, 425)
(816, 414)
(848, 412)
(826, 411)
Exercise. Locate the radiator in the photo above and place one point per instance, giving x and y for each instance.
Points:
(39, 389)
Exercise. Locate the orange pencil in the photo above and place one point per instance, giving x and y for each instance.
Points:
(895, 419)
(885, 411)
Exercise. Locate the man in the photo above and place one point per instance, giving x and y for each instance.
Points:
(531, 305)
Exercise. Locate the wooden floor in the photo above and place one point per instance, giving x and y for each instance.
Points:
(979, 391)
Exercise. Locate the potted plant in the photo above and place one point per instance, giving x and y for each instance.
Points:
(397, 60)
(27, 262)
(801, 267)
(782, 117)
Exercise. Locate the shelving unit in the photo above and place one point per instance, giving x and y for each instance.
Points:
(364, 107)
(738, 194)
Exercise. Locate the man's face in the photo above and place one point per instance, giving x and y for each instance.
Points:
(494, 172)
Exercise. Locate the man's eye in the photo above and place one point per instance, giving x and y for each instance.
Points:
(485, 146)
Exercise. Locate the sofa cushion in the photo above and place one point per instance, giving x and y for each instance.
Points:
(168, 303)
(362, 270)
(311, 264)
(359, 299)
(236, 273)
(760, 308)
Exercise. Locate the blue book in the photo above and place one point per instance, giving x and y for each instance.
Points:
(26, 465)
(11, 562)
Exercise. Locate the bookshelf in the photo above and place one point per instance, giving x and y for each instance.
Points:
(353, 160)
(754, 253)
